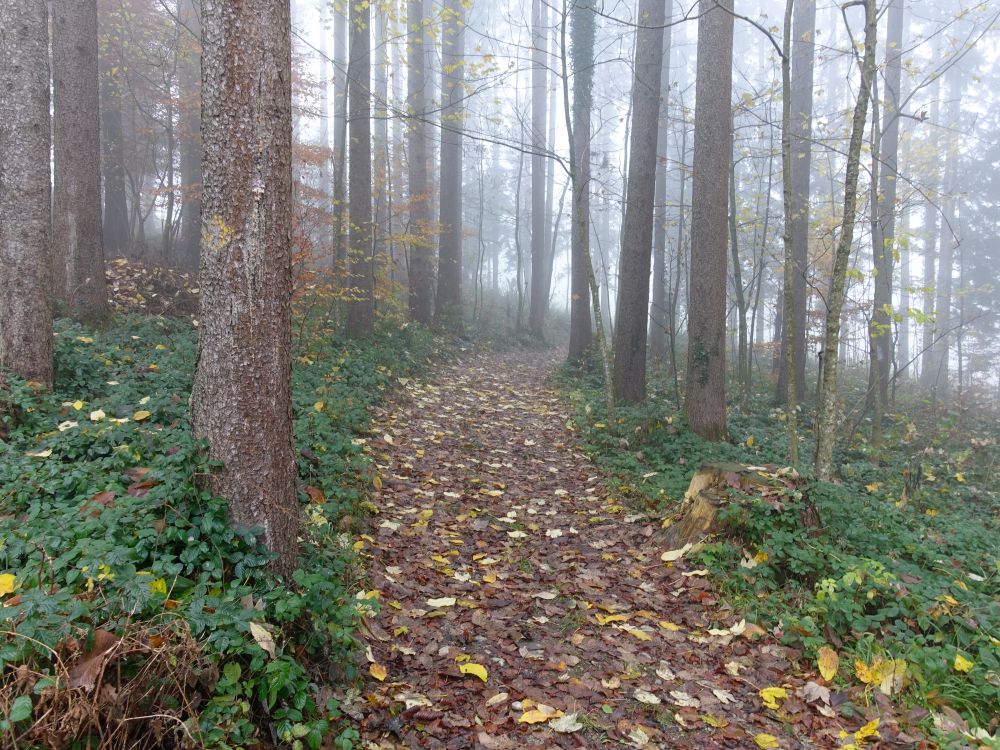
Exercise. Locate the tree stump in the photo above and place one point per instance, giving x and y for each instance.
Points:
(711, 489)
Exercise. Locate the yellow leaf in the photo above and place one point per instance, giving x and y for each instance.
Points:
(377, 481)
(8, 584)
(605, 619)
(78, 405)
(714, 721)
(141, 415)
(377, 671)
(319, 406)
(478, 670)
(828, 661)
(771, 695)
(766, 741)
(538, 715)
(750, 441)
(490, 578)
(962, 664)
(867, 732)
(667, 625)
(159, 586)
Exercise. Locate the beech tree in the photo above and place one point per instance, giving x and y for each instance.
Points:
(361, 312)
(25, 211)
(449, 291)
(705, 383)
(637, 231)
(421, 275)
(241, 398)
(658, 313)
(77, 241)
(539, 289)
(582, 21)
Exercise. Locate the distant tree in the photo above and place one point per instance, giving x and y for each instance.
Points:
(449, 291)
(189, 84)
(77, 241)
(828, 416)
(361, 311)
(637, 231)
(25, 210)
(241, 399)
(539, 296)
(705, 386)
(421, 277)
(582, 32)
(112, 82)
(340, 133)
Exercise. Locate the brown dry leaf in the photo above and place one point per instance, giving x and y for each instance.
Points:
(84, 675)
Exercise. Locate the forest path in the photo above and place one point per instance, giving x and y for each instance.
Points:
(498, 544)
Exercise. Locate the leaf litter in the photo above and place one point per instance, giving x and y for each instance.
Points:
(528, 609)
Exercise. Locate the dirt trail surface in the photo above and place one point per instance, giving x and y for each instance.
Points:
(499, 553)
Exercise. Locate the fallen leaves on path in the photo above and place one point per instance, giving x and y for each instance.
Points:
(521, 604)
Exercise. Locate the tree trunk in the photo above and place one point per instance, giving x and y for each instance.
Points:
(241, 399)
(361, 311)
(421, 279)
(705, 397)
(77, 244)
(658, 309)
(339, 137)
(25, 209)
(801, 86)
(449, 296)
(633, 282)
(828, 417)
(582, 20)
(189, 82)
(539, 75)
(115, 222)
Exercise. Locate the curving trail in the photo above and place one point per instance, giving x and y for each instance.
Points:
(497, 545)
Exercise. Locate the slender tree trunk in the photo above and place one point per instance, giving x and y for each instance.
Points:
(77, 242)
(361, 312)
(742, 376)
(705, 398)
(583, 21)
(241, 399)
(828, 416)
(930, 237)
(421, 251)
(658, 308)
(340, 94)
(189, 82)
(115, 221)
(801, 87)
(539, 75)
(25, 209)
(905, 304)
(449, 297)
(792, 269)
(633, 284)
(381, 164)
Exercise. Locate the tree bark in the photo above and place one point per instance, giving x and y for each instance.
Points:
(421, 278)
(802, 61)
(705, 397)
(115, 222)
(631, 319)
(539, 74)
(361, 312)
(828, 417)
(77, 244)
(339, 137)
(241, 400)
(449, 292)
(582, 21)
(25, 209)
(658, 315)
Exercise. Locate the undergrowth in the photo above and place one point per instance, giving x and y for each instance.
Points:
(132, 614)
(902, 578)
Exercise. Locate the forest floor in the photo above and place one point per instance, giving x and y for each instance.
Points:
(520, 604)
